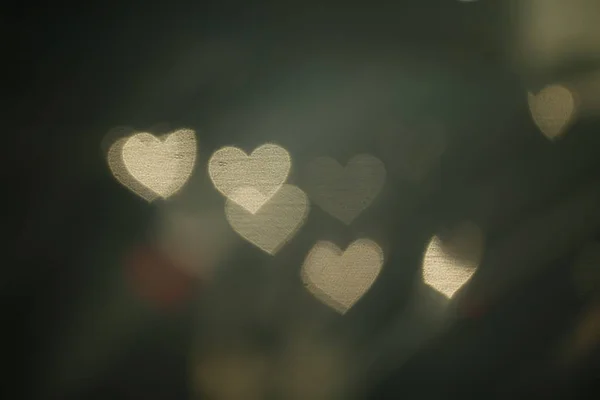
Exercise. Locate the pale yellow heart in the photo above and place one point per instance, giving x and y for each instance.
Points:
(151, 166)
(275, 223)
(450, 260)
(339, 279)
(552, 110)
(265, 170)
(345, 192)
(121, 174)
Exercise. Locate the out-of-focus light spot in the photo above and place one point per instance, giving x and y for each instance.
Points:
(340, 278)
(410, 152)
(195, 241)
(584, 338)
(551, 34)
(313, 369)
(450, 261)
(586, 271)
(232, 375)
(155, 279)
(154, 167)
(472, 309)
(345, 192)
(263, 172)
(275, 223)
(552, 110)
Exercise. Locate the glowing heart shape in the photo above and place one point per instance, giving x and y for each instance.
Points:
(154, 167)
(345, 192)
(275, 223)
(449, 262)
(339, 279)
(265, 170)
(552, 110)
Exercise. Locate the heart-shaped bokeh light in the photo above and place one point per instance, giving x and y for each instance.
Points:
(275, 223)
(260, 174)
(451, 259)
(340, 278)
(552, 110)
(154, 167)
(345, 192)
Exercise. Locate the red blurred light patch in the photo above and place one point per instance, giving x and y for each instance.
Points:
(157, 280)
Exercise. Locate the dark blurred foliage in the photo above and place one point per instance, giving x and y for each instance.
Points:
(74, 71)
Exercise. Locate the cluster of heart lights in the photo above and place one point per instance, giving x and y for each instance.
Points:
(267, 212)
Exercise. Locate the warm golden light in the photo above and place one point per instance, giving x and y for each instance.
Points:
(154, 167)
(305, 368)
(249, 198)
(339, 279)
(233, 375)
(313, 368)
(119, 171)
(263, 172)
(448, 264)
(275, 223)
(552, 110)
(583, 338)
(345, 192)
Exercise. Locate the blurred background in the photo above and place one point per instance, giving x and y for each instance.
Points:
(484, 115)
